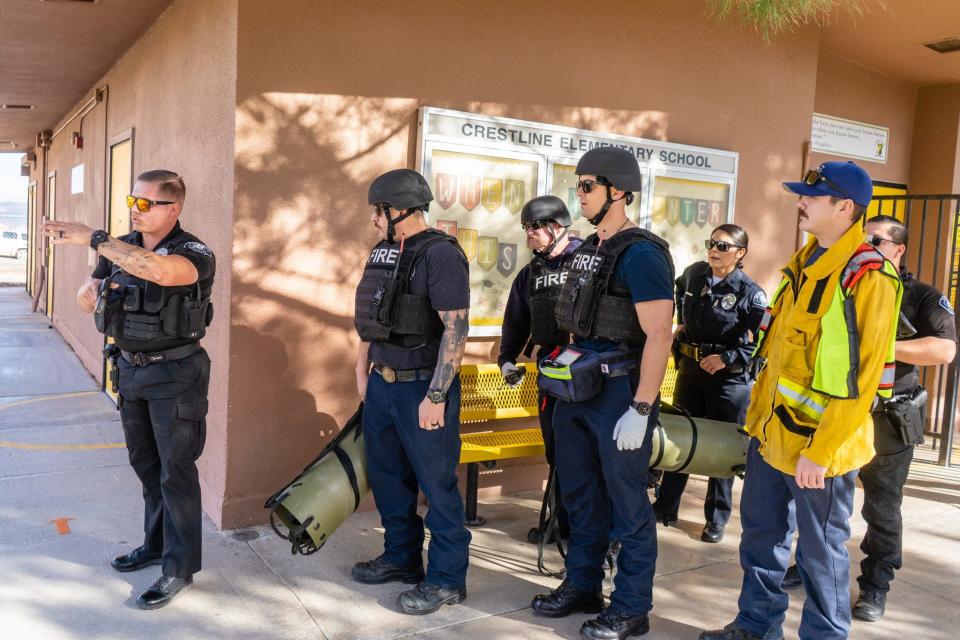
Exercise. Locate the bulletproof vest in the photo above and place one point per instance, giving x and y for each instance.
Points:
(593, 304)
(141, 310)
(543, 291)
(385, 309)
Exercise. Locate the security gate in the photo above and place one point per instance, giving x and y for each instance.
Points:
(933, 256)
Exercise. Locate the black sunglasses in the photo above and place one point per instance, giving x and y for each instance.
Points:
(876, 241)
(381, 208)
(813, 176)
(587, 185)
(536, 224)
(721, 245)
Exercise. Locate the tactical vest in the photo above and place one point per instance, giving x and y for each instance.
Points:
(593, 304)
(385, 310)
(146, 311)
(543, 291)
(838, 352)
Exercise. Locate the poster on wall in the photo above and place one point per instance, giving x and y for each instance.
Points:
(477, 199)
(482, 170)
(684, 213)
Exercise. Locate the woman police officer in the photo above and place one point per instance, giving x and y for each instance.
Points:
(719, 309)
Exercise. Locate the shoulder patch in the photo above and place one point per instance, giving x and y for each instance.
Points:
(198, 247)
(162, 251)
(759, 299)
(946, 305)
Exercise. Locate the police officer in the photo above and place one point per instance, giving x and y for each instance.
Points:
(412, 316)
(617, 301)
(529, 319)
(719, 309)
(150, 292)
(926, 336)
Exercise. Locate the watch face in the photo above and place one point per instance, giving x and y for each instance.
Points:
(437, 396)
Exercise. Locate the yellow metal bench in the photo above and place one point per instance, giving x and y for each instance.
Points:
(485, 397)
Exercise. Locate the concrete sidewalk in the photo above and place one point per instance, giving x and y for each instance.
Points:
(59, 459)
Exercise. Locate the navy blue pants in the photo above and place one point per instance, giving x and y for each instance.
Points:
(546, 405)
(163, 409)
(716, 397)
(602, 485)
(403, 459)
(772, 506)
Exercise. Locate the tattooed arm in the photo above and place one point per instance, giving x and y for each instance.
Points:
(168, 271)
(455, 327)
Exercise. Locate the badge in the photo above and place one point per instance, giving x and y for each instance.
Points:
(389, 375)
(198, 247)
(759, 299)
(728, 301)
(946, 305)
(162, 251)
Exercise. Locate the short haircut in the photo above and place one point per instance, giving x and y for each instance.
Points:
(858, 209)
(897, 231)
(169, 183)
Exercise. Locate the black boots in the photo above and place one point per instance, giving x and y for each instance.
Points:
(566, 599)
(379, 571)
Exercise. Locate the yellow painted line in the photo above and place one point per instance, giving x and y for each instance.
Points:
(55, 396)
(6, 444)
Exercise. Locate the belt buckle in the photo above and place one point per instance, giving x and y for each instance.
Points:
(140, 359)
(390, 375)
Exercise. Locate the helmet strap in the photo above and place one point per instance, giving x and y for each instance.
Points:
(597, 219)
(554, 240)
(392, 222)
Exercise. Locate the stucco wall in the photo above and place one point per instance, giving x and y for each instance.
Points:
(326, 100)
(175, 87)
(848, 90)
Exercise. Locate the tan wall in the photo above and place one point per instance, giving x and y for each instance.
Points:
(327, 95)
(176, 88)
(847, 90)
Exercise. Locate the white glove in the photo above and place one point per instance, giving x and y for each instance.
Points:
(630, 430)
(512, 374)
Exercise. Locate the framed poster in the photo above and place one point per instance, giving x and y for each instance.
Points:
(482, 169)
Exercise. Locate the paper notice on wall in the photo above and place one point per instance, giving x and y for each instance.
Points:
(76, 179)
(848, 138)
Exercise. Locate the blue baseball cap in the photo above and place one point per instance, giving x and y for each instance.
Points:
(838, 179)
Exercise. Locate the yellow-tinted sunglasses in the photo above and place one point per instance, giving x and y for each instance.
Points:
(144, 204)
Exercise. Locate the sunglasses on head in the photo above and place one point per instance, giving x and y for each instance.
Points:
(721, 245)
(587, 185)
(813, 176)
(536, 224)
(876, 241)
(144, 204)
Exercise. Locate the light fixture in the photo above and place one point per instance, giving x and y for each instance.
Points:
(21, 107)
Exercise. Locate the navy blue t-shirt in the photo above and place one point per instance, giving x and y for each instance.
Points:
(646, 272)
(440, 273)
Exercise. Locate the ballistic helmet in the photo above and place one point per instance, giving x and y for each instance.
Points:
(617, 165)
(546, 208)
(401, 189)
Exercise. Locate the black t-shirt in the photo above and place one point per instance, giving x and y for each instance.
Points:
(442, 275)
(930, 313)
(176, 243)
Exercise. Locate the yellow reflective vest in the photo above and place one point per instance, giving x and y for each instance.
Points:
(828, 340)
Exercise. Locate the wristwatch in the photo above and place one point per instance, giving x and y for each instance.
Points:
(643, 408)
(437, 396)
(97, 238)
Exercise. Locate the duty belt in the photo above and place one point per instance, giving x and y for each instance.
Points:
(618, 364)
(392, 375)
(699, 351)
(141, 359)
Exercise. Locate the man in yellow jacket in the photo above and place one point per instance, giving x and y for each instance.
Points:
(827, 340)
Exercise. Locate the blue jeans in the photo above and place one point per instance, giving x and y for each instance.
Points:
(403, 459)
(600, 486)
(772, 506)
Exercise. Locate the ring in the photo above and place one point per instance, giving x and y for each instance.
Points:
(434, 424)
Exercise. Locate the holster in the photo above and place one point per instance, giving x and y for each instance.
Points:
(112, 352)
(905, 415)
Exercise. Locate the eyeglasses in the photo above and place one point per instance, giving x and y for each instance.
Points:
(813, 176)
(144, 204)
(587, 185)
(536, 224)
(876, 241)
(721, 245)
(381, 208)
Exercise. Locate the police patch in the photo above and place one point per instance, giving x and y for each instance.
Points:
(728, 301)
(162, 251)
(946, 305)
(198, 247)
(759, 299)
